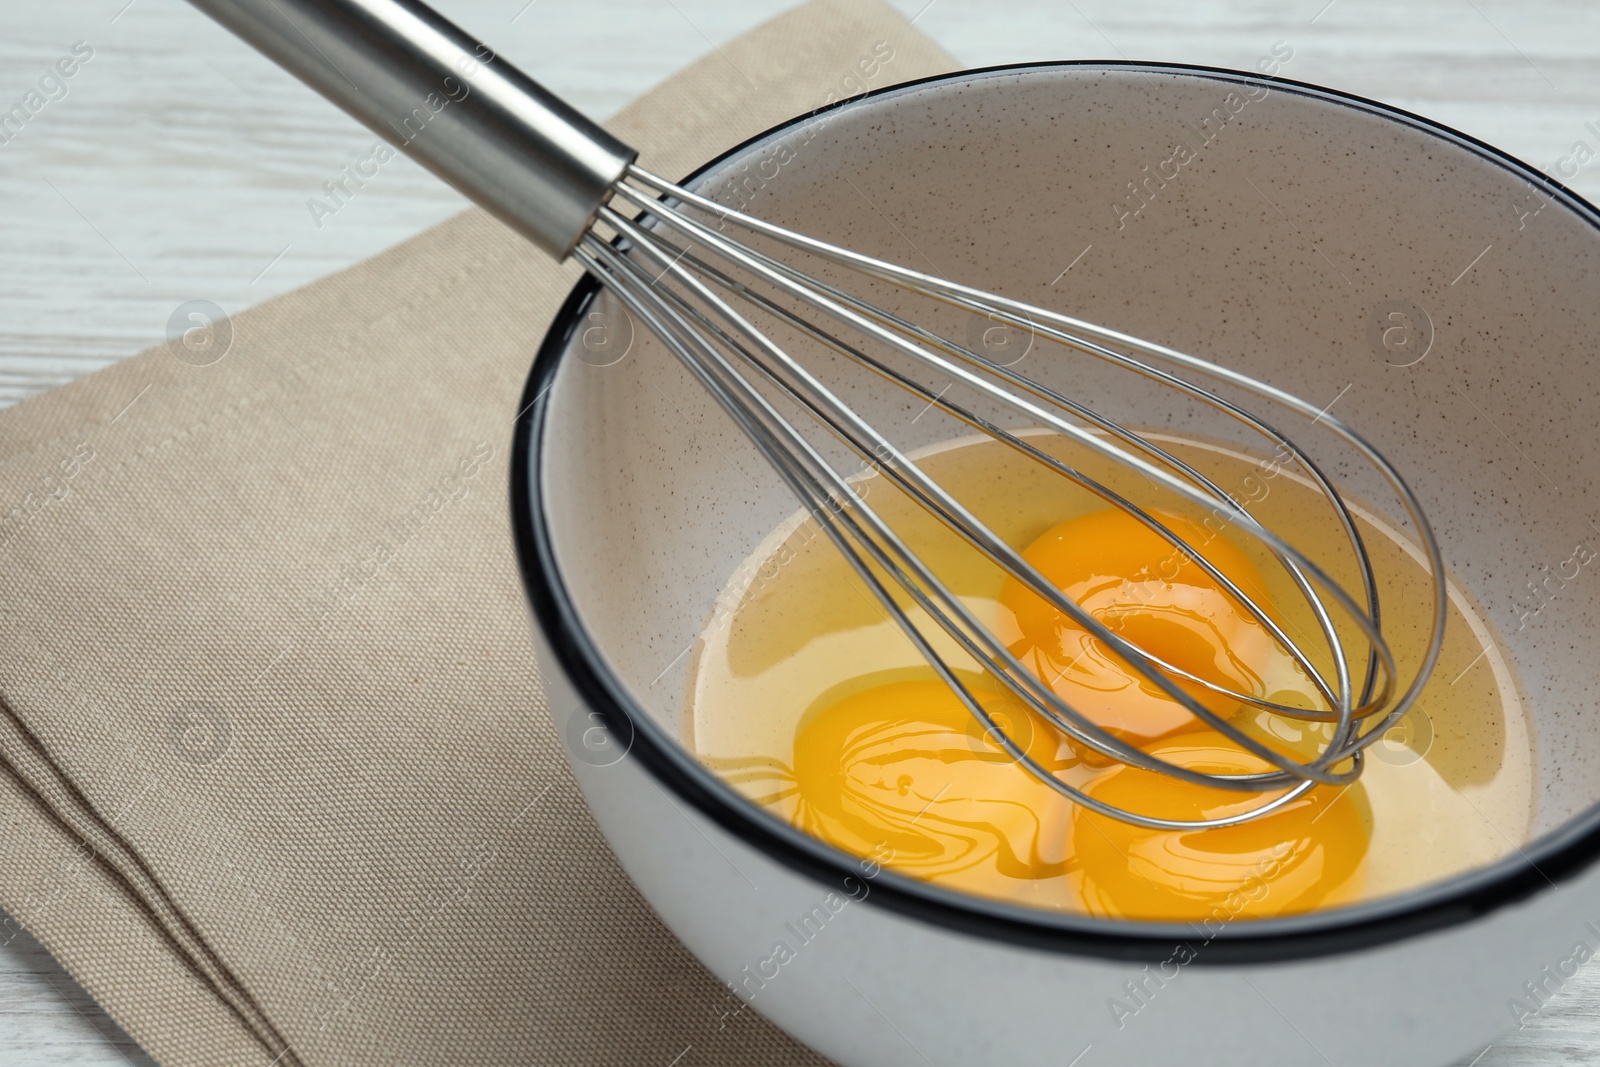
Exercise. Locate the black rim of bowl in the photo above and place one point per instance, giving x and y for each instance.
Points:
(1459, 899)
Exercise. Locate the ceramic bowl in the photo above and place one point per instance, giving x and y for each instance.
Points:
(1441, 293)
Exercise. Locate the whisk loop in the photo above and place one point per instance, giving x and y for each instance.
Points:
(695, 286)
(552, 175)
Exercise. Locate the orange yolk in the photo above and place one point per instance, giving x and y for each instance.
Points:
(904, 773)
(1135, 583)
(1307, 854)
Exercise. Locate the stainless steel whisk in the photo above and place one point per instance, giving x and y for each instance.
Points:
(565, 183)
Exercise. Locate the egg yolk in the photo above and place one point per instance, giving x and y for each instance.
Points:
(901, 771)
(1134, 582)
(1310, 853)
(904, 770)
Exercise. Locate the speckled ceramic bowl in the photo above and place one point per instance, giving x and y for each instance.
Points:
(1444, 294)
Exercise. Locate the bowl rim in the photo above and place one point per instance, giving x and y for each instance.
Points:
(1531, 871)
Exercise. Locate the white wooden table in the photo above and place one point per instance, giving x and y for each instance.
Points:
(178, 165)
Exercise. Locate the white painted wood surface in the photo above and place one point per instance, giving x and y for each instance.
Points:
(178, 165)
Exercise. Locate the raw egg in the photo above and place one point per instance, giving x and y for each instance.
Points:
(811, 702)
(904, 769)
(1138, 585)
(1307, 854)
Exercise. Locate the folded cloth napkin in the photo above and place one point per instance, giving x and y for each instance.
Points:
(279, 782)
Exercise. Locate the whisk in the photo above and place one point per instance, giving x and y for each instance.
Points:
(569, 186)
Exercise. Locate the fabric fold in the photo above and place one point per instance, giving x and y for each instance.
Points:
(277, 783)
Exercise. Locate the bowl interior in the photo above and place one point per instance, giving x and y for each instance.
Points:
(1435, 295)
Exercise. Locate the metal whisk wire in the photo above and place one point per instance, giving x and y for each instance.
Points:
(553, 176)
(677, 298)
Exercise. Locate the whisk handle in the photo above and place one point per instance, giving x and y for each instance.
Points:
(446, 100)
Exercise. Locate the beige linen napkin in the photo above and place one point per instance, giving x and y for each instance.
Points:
(273, 795)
